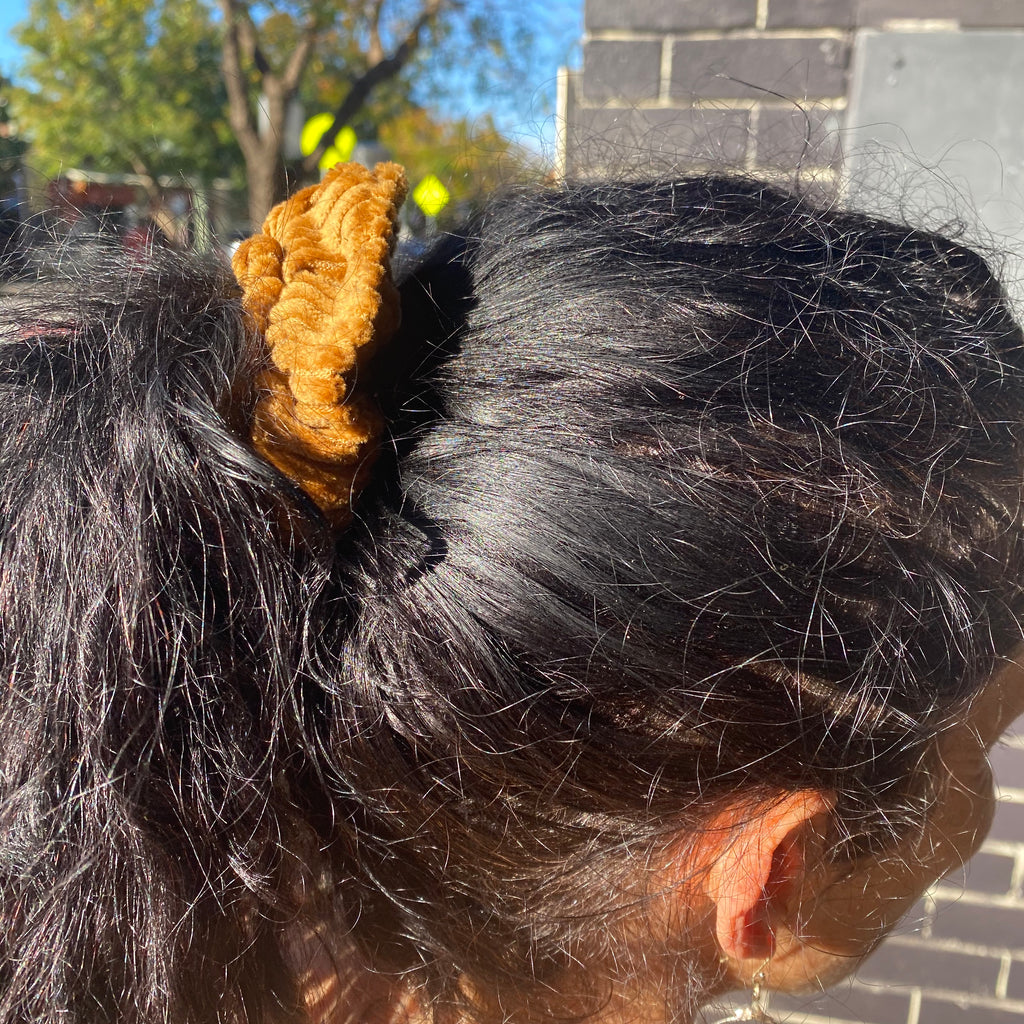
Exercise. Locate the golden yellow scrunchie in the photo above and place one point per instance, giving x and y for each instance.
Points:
(317, 283)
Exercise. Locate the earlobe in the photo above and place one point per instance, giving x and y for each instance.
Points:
(756, 868)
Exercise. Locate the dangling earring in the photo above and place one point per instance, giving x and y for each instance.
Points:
(758, 1008)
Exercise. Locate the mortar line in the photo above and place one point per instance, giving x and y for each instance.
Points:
(914, 1011)
(665, 80)
(1003, 977)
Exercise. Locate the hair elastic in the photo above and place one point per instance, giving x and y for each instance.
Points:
(317, 284)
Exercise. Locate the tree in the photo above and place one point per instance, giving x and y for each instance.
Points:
(269, 50)
(203, 87)
(470, 158)
(124, 85)
(12, 146)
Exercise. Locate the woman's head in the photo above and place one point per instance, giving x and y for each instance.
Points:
(699, 522)
(719, 503)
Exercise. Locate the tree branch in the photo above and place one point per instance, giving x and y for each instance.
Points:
(375, 50)
(239, 113)
(250, 40)
(296, 66)
(375, 74)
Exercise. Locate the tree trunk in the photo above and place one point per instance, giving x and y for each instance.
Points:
(266, 184)
(260, 141)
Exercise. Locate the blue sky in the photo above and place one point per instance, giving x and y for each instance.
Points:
(11, 13)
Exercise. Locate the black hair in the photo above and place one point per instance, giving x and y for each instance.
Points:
(695, 490)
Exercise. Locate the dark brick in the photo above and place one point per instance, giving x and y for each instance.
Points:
(655, 140)
(811, 13)
(806, 136)
(1008, 765)
(927, 967)
(994, 927)
(621, 70)
(741, 68)
(1015, 985)
(984, 872)
(849, 1003)
(669, 15)
(1009, 822)
(934, 1011)
(969, 13)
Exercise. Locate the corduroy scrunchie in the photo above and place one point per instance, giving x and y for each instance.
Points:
(317, 283)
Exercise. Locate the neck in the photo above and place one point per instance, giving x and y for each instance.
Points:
(337, 988)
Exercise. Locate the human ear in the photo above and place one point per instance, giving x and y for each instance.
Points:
(758, 867)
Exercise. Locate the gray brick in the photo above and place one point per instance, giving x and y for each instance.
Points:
(994, 927)
(987, 873)
(935, 1012)
(969, 13)
(859, 1003)
(1008, 823)
(797, 137)
(669, 15)
(621, 70)
(928, 967)
(811, 13)
(1008, 765)
(655, 141)
(741, 68)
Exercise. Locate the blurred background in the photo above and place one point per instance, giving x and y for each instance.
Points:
(137, 123)
(181, 122)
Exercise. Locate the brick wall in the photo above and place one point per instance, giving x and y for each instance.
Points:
(757, 84)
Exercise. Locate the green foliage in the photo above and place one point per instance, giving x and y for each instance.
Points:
(471, 159)
(124, 85)
(137, 86)
(12, 148)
